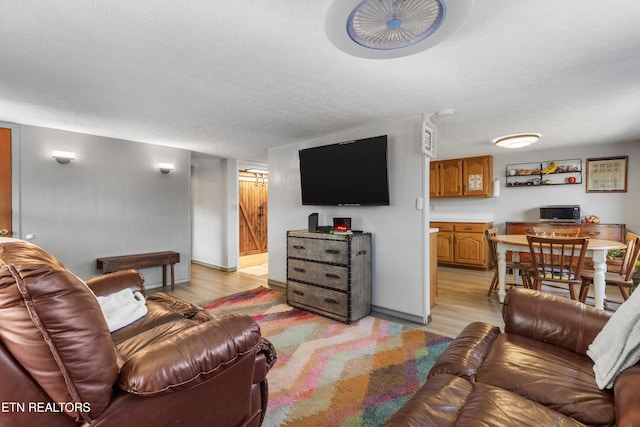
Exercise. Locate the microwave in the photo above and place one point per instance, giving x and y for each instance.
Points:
(560, 213)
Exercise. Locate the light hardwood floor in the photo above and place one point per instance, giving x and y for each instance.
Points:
(462, 295)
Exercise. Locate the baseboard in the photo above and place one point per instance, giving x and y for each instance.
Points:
(276, 283)
(215, 267)
(400, 315)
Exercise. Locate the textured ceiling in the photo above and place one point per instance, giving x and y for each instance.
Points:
(232, 78)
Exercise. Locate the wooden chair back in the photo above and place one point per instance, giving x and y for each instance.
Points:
(556, 259)
(628, 268)
(493, 246)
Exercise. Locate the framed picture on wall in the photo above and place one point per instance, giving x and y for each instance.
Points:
(607, 175)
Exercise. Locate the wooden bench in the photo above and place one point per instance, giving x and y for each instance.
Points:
(125, 262)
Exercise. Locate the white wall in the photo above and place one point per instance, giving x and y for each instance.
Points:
(111, 200)
(522, 203)
(398, 276)
(208, 214)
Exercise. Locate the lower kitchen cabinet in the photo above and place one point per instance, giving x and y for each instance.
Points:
(462, 244)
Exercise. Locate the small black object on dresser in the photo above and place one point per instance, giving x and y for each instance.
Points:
(330, 274)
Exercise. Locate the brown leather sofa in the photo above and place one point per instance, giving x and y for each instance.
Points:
(536, 373)
(177, 365)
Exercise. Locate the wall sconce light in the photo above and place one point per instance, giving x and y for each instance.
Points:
(63, 157)
(165, 167)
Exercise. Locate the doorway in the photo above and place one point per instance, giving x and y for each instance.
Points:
(253, 218)
(5, 183)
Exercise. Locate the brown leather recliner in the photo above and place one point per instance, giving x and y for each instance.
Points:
(535, 373)
(178, 365)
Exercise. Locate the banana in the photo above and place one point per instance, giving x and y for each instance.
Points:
(553, 166)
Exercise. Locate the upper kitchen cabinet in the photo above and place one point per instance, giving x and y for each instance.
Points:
(468, 177)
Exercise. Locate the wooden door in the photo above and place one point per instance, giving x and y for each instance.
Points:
(254, 190)
(5, 182)
(451, 178)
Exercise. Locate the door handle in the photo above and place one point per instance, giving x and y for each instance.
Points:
(4, 232)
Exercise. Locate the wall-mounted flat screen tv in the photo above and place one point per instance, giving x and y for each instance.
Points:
(352, 173)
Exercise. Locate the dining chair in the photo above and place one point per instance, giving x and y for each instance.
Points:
(556, 232)
(556, 261)
(512, 266)
(623, 278)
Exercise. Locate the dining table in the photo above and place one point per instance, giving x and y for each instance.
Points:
(596, 249)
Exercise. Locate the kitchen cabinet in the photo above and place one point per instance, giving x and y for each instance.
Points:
(462, 244)
(467, 177)
(549, 172)
(330, 274)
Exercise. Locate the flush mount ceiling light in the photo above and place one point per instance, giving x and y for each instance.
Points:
(517, 141)
(381, 29)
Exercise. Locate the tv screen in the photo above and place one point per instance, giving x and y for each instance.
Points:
(352, 173)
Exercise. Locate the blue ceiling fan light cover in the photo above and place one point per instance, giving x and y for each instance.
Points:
(394, 24)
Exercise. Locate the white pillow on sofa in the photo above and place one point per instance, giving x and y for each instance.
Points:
(122, 308)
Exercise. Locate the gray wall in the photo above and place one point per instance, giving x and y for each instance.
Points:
(112, 200)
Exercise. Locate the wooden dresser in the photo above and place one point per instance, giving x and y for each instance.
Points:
(330, 274)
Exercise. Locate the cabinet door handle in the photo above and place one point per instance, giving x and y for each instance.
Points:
(299, 270)
(298, 247)
(331, 276)
(332, 251)
(331, 301)
(297, 292)
(362, 252)
(591, 233)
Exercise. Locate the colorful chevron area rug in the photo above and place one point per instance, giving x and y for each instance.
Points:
(332, 374)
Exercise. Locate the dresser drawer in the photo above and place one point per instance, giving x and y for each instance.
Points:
(332, 276)
(318, 298)
(330, 251)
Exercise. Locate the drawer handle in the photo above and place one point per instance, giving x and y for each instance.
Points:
(332, 251)
(363, 252)
(331, 301)
(467, 228)
(591, 233)
(298, 292)
(528, 231)
(331, 276)
(299, 270)
(298, 247)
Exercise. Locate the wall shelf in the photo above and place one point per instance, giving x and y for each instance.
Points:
(549, 172)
